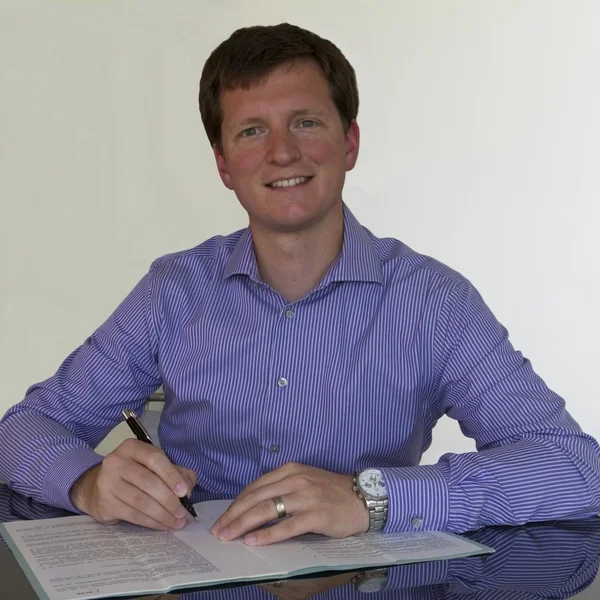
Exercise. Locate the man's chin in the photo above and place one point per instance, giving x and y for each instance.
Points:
(290, 223)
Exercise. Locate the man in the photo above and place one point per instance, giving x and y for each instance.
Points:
(299, 352)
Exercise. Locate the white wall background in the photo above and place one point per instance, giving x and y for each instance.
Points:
(480, 146)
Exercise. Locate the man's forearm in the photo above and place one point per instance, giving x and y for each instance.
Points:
(42, 459)
(536, 479)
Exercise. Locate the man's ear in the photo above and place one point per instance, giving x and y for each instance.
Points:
(352, 145)
(222, 167)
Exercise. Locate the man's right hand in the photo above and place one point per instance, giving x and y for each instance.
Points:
(135, 483)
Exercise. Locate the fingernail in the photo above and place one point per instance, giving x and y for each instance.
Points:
(250, 539)
(215, 528)
(181, 489)
(224, 535)
(179, 523)
(180, 512)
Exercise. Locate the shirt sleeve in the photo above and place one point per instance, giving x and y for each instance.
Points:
(49, 437)
(533, 462)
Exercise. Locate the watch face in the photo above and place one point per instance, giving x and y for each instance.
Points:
(371, 481)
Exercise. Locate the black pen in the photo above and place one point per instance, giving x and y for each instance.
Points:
(142, 435)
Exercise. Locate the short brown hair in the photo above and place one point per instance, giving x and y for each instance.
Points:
(249, 55)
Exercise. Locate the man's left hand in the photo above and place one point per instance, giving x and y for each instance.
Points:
(316, 501)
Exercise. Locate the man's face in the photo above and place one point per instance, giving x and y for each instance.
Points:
(283, 129)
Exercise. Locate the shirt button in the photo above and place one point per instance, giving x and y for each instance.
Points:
(274, 449)
(282, 382)
(289, 313)
(417, 522)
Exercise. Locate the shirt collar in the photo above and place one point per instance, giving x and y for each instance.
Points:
(358, 260)
(242, 261)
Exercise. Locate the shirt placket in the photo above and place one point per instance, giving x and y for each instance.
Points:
(281, 386)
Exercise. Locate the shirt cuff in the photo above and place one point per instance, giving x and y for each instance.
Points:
(65, 471)
(418, 498)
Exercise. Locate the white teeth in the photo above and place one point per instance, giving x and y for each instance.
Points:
(289, 182)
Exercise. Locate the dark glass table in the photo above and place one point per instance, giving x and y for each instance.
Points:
(539, 560)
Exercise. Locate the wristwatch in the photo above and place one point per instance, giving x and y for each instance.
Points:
(370, 486)
(371, 581)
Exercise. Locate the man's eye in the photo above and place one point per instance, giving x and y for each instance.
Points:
(308, 123)
(251, 131)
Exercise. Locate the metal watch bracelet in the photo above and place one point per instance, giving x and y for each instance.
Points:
(377, 514)
(378, 509)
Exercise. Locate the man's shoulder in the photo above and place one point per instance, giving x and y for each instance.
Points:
(206, 260)
(400, 263)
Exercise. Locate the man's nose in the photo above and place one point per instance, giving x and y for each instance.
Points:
(282, 148)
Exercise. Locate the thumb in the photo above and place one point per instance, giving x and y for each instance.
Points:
(189, 476)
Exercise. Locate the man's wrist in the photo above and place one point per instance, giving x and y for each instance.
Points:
(80, 491)
(370, 487)
(64, 472)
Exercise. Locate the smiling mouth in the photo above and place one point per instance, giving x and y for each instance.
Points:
(289, 183)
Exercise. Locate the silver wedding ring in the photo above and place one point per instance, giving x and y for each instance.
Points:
(279, 507)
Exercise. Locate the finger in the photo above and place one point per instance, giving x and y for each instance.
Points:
(146, 504)
(284, 530)
(132, 505)
(256, 516)
(146, 482)
(242, 505)
(189, 476)
(156, 461)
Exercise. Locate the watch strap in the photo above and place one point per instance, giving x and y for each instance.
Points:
(378, 509)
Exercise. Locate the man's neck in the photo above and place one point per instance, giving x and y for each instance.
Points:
(294, 263)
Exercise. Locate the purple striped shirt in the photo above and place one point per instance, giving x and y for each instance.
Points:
(354, 375)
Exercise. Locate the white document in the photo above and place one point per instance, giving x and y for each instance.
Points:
(77, 558)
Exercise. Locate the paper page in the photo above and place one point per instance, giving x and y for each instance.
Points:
(376, 549)
(218, 552)
(234, 559)
(78, 557)
(419, 546)
(209, 511)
